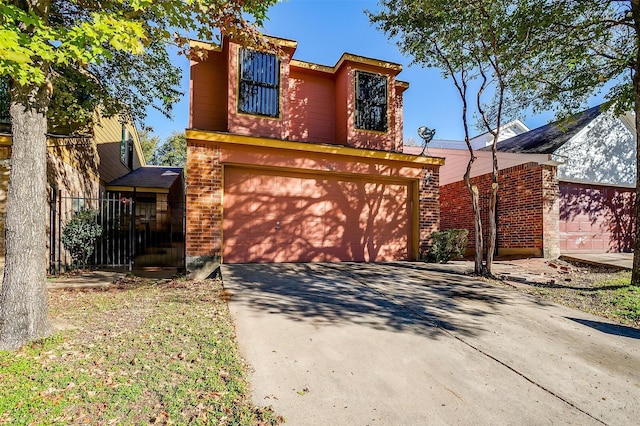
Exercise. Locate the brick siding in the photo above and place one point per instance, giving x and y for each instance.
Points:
(527, 209)
(428, 206)
(204, 200)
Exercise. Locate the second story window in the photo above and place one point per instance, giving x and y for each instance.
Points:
(371, 101)
(259, 92)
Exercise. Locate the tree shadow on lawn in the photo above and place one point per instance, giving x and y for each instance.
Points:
(391, 296)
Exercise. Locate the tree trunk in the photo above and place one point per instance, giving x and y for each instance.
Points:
(635, 274)
(491, 244)
(475, 205)
(477, 222)
(23, 299)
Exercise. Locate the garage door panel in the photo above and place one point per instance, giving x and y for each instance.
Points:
(322, 218)
(595, 218)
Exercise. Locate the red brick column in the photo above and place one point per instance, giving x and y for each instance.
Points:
(428, 206)
(204, 203)
(550, 212)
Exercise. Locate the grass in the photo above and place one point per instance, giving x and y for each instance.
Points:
(141, 352)
(607, 294)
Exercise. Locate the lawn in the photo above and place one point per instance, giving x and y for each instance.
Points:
(595, 289)
(140, 352)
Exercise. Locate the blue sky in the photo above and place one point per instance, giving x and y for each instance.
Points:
(324, 29)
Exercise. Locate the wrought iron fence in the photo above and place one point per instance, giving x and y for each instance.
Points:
(136, 232)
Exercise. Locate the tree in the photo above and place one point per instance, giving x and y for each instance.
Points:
(576, 50)
(118, 51)
(173, 151)
(466, 41)
(149, 144)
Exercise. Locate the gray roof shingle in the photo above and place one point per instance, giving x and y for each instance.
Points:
(149, 177)
(547, 139)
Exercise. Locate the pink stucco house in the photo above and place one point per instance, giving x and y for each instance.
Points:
(291, 161)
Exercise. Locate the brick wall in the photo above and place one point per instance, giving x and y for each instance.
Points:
(204, 201)
(527, 209)
(429, 206)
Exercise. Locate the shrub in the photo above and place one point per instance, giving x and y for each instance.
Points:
(79, 236)
(447, 244)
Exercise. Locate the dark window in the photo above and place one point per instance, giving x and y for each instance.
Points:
(259, 92)
(4, 101)
(371, 102)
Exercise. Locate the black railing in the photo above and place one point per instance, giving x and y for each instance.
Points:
(135, 233)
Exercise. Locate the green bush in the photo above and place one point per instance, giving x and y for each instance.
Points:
(447, 244)
(79, 236)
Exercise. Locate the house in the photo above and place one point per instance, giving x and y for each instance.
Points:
(103, 168)
(596, 153)
(565, 187)
(291, 161)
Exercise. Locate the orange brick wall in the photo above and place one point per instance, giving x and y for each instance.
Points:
(527, 209)
(204, 200)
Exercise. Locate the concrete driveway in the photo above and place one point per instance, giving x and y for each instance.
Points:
(417, 344)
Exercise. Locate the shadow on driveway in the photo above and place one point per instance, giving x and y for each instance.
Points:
(393, 296)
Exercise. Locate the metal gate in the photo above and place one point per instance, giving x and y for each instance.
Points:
(136, 231)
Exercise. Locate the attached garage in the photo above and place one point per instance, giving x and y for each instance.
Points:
(596, 218)
(264, 200)
(292, 216)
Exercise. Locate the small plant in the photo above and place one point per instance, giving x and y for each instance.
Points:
(447, 244)
(79, 236)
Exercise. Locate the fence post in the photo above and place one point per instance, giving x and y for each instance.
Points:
(52, 230)
(132, 230)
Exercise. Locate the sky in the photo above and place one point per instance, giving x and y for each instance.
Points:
(324, 30)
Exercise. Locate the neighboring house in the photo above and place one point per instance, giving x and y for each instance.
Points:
(290, 161)
(509, 130)
(104, 169)
(565, 187)
(591, 146)
(596, 152)
(75, 169)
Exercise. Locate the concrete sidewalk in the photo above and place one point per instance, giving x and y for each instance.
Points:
(616, 260)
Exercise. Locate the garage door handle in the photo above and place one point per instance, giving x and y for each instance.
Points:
(278, 225)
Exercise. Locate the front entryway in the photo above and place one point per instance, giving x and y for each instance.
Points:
(138, 231)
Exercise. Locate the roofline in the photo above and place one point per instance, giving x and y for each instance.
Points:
(278, 41)
(211, 136)
(347, 57)
(130, 188)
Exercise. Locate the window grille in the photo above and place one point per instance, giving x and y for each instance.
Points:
(371, 101)
(259, 92)
(4, 102)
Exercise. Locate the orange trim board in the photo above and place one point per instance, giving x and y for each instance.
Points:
(209, 136)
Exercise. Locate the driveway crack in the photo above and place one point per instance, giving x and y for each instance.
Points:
(439, 326)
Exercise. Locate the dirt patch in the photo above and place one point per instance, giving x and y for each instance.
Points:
(600, 290)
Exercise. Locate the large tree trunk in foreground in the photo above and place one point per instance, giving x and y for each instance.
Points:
(635, 274)
(23, 299)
